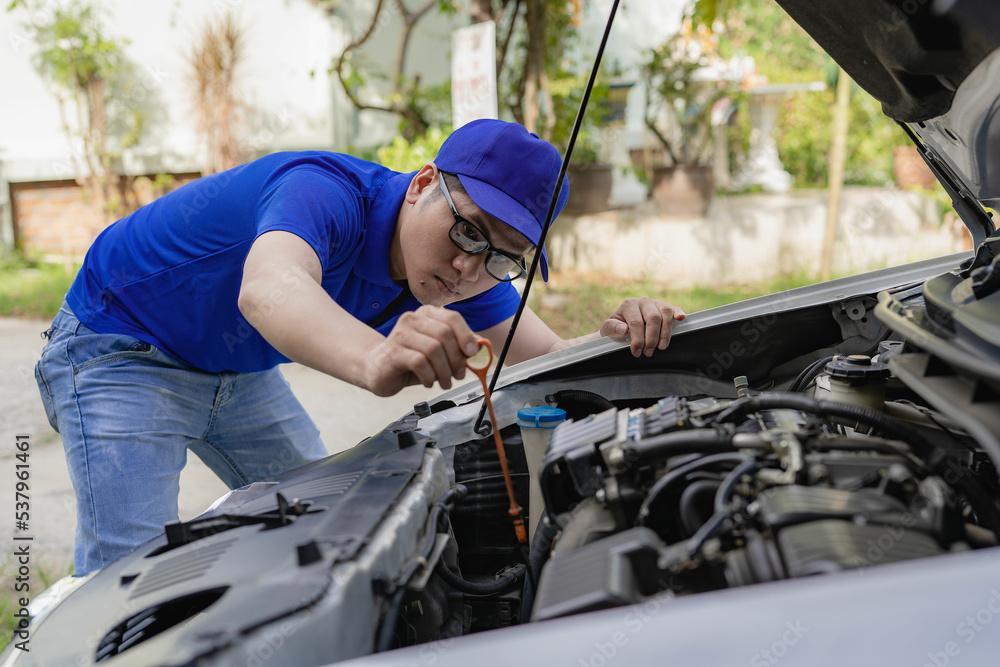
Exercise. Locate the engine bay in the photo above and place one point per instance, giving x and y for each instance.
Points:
(691, 495)
(849, 464)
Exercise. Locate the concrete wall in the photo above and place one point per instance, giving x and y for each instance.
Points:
(754, 237)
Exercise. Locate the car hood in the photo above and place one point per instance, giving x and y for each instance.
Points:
(934, 65)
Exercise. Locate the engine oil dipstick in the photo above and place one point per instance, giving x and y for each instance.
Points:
(480, 364)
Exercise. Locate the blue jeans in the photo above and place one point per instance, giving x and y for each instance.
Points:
(128, 412)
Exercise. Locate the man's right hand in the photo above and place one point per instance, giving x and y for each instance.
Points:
(427, 345)
(282, 297)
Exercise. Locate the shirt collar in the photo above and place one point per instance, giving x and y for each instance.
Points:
(373, 261)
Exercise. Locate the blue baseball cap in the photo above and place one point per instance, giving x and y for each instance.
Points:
(508, 172)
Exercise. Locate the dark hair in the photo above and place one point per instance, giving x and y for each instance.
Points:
(453, 183)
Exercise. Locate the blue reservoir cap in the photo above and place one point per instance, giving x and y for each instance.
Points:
(540, 417)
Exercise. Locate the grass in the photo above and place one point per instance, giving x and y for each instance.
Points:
(32, 289)
(574, 305)
(39, 579)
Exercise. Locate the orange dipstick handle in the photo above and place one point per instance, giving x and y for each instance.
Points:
(515, 509)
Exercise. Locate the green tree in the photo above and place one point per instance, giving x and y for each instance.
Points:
(91, 79)
(785, 53)
(532, 40)
(406, 98)
(536, 79)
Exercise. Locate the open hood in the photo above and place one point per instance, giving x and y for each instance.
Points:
(935, 66)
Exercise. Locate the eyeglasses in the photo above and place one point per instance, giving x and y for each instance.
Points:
(472, 240)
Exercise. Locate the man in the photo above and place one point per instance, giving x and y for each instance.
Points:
(172, 332)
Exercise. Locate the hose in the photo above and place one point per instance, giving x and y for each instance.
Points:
(388, 629)
(744, 406)
(722, 511)
(668, 480)
(870, 444)
(502, 583)
(434, 521)
(693, 495)
(701, 441)
(809, 374)
(589, 397)
(541, 547)
(726, 488)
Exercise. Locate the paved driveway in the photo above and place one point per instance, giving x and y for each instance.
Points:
(345, 415)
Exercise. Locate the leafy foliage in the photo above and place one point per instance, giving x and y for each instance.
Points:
(31, 289)
(404, 97)
(92, 77)
(406, 156)
(567, 94)
(784, 53)
(675, 89)
(73, 49)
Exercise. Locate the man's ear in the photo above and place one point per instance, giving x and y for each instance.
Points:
(420, 182)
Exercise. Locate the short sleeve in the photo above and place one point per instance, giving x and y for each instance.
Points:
(324, 211)
(489, 308)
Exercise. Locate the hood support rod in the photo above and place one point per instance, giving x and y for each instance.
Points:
(480, 427)
(968, 208)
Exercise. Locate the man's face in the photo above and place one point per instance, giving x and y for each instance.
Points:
(437, 271)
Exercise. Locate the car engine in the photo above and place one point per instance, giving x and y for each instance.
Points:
(692, 495)
(688, 496)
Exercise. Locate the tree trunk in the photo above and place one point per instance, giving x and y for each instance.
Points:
(481, 10)
(534, 63)
(838, 155)
(503, 44)
(97, 127)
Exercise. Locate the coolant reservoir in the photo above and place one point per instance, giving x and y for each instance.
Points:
(859, 381)
(537, 425)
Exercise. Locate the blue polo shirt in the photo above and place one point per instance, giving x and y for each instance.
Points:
(170, 273)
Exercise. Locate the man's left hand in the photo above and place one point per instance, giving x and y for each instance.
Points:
(648, 321)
